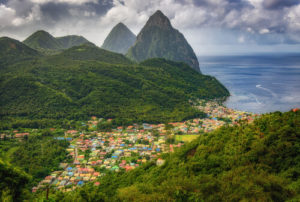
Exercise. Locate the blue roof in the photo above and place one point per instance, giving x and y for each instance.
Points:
(157, 149)
(59, 138)
(122, 145)
(114, 156)
(149, 148)
(80, 183)
(69, 168)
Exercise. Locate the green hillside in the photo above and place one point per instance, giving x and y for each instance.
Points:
(13, 51)
(250, 162)
(80, 82)
(90, 52)
(46, 43)
(71, 40)
(12, 183)
(42, 41)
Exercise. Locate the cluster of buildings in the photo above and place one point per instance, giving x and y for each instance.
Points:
(125, 148)
(96, 153)
(216, 111)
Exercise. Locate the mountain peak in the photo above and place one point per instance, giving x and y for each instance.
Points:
(158, 39)
(121, 25)
(46, 43)
(120, 39)
(41, 33)
(159, 19)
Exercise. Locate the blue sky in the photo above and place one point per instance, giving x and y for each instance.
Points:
(212, 27)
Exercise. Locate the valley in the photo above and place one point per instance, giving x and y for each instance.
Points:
(98, 149)
(136, 119)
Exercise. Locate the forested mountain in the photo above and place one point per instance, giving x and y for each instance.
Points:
(13, 51)
(119, 40)
(85, 80)
(158, 39)
(46, 43)
(247, 162)
(72, 40)
(89, 52)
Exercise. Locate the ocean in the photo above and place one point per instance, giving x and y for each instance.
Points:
(257, 83)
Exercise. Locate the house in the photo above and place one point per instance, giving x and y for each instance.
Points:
(63, 165)
(160, 162)
(21, 135)
(34, 189)
(71, 132)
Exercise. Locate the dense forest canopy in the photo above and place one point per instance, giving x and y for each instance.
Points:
(85, 80)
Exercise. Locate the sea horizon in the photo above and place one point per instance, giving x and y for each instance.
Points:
(258, 83)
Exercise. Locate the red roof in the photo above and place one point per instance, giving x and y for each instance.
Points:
(21, 134)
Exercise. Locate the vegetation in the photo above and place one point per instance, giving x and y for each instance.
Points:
(12, 183)
(249, 162)
(39, 155)
(24, 163)
(72, 40)
(87, 52)
(186, 138)
(13, 51)
(158, 39)
(44, 42)
(80, 82)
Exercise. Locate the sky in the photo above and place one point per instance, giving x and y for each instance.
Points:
(212, 27)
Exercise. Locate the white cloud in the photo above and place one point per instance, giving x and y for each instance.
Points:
(7, 15)
(63, 1)
(206, 23)
(241, 39)
(293, 18)
(264, 31)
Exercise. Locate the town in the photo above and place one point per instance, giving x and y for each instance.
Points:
(94, 153)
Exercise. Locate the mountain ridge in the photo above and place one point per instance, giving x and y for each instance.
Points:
(13, 51)
(158, 39)
(46, 43)
(86, 80)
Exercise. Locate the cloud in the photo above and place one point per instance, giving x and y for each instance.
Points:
(64, 1)
(279, 4)
(264, 31)
(6, 15)
(203, 22)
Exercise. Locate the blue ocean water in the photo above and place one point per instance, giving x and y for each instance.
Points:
(258, 84)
